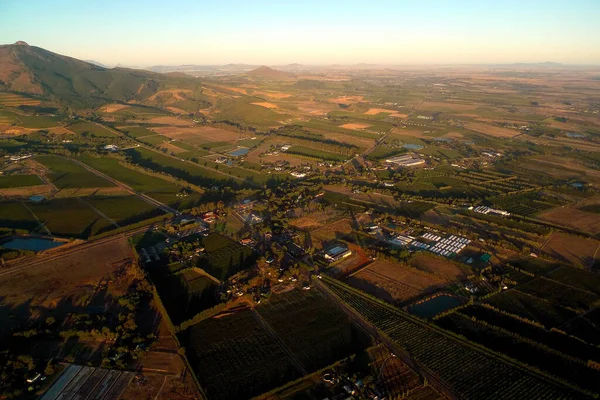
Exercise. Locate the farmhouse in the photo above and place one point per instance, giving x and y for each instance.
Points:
(111, 147)
(337, 252)
(406, 160)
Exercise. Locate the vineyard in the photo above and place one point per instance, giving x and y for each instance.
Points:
(528, 351)
(234, 357)
(463, 367)
(525, 204)
(531, 308)
(495, 182)
(314, 330)
(224, 257)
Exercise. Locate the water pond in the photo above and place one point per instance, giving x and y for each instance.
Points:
(31, 244)
(412, 146)
(242, 151)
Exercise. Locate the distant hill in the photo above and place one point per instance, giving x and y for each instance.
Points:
(268, 73)
(71, 82)
(96, 63)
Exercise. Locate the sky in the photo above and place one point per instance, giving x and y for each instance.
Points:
(316, 32)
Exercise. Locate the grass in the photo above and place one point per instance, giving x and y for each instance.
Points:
(314, 153)
(39, 122)
(136, 180)
(69, 217)
(16, 181)
(136, 131)
(66, 174)
(125, 210)
(180, 169)
(89, 129)
(15, 215)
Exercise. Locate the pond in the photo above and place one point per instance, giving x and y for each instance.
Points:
(434, 306)
(412, 146)
(32, 244)
(241, 151)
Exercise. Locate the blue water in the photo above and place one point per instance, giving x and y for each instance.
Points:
(242, 151)
(33, 244)
(432, 307)
(412, 146)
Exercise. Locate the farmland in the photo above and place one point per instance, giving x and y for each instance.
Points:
(224, 256)
(16, 181)
(455, 361)
(314, 330)
(245, 359)
(65, 174)
(393, 282)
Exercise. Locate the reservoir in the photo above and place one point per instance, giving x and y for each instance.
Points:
(31, 244)
(242, 151)
(412, 146)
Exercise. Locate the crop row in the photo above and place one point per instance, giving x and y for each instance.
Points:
(463, 367)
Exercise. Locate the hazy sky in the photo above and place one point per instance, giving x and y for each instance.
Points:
(173, 32)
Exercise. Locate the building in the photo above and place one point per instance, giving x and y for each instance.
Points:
(111, 147)
(337, 252)
(406, 160)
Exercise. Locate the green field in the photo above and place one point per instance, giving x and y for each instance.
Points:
(125, 210)
(16, 181)
(14, 215)
(136, 131)
(70, 217)
(180, 169)
(89, 129)
(135, 179)
(39, 122)
(314, 153)
(65, 174)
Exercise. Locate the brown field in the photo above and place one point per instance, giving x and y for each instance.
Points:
(492, 130)
(355, 126)
(331, 232)
(111, 108)
(177, 110)
(347, 99)
(175, 93)
(401, 133)
(15, 100)
(399, 115)
(573, 218)
(375, 111)
(273, 95)
(439, 267)
(265, 104)
(203, 133)
(172, 148)
(70, 283)
(442, 106)
(572, 249)
(394, 282)
(60, 130)
(315, 108)
(26, 192)
(173, 121)
(315, 220)
(354, 263)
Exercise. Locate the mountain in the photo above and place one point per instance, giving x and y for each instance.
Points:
(268, 73)
(69, 81)
(96, 63)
